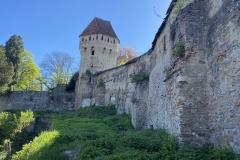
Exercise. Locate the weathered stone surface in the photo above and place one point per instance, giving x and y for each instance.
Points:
(34, 100)
(195, 97)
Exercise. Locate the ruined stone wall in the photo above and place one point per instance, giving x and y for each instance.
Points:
(195, 97)
(35, 100)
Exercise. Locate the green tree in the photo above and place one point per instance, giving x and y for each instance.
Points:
(57, 68)
(72, 84)
(6, 69)
(28, 73)
(14, 47)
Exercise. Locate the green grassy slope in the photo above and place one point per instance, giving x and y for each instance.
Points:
(98, 133)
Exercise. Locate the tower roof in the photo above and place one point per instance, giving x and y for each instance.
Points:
(98, 25)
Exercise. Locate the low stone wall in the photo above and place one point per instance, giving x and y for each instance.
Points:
(35, 100)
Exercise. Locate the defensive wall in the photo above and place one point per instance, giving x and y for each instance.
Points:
(195, 97)
(34, 100)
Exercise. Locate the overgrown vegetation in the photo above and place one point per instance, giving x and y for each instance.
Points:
(139, 77)
(133, 99)
(72, 84)
(179, 49)
(179, 5)
(12, 130)
(88, 72)
(100, 83)
(98, 133)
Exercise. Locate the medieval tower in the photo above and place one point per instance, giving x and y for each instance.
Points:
(99, 51)
(98, 47)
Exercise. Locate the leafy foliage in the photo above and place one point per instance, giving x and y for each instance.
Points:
(33, 150)
(139, 77)
(28, 73)
(88, 72)
(14, 48)
(6, 69)
(12, 129)
(100, 83)
(179, 49)
(72, 84)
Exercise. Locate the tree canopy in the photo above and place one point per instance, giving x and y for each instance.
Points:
(28, 73)
(72, 84)
(17, 68)
(57, 68)
(14, 47)
(6, 69)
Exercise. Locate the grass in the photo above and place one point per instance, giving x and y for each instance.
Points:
(98, 133)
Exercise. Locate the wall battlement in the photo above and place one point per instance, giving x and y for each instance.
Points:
(195, 97)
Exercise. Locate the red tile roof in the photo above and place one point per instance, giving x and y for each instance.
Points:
(99, 26)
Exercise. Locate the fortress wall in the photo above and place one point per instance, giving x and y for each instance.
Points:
(197, 97)
(34, 100)
(223, 74)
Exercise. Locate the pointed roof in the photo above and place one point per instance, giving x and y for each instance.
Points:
(99, 26)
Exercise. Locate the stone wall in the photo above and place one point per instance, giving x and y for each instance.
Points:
(223, 74)
(195, 97)
(34, 100)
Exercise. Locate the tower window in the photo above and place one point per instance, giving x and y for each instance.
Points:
(110, 51)
(82, 39)
(89, 38)
(96, 37)
(104, 49)
(114, 41)
(102, 38)
(92, 50)
(108, 39)
(93, 39)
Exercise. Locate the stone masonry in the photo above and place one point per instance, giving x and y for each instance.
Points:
(37, 100)
(195, 97)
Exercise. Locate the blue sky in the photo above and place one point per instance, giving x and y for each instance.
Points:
(54, 25)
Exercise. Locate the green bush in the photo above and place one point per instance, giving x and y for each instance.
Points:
(141, 76)
(100, 83)
(88, 72)
(72, 83)
(179, 49)
(133, 99)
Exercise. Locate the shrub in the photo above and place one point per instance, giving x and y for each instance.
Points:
(179, 49)
(88, 72)
(100, 83)
(141, 76)
(72, 83)
(133, 99)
